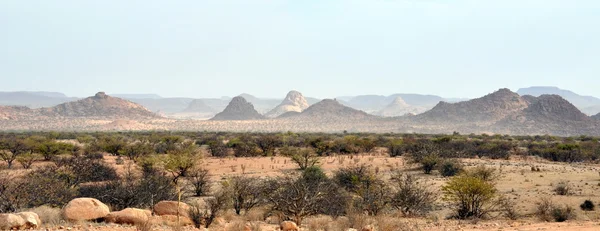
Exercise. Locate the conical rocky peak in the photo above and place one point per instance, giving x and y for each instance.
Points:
(399, 107)
(238, 109)
(293, 102)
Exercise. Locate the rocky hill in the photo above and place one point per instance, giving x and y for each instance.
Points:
(99, 106)
(485, 110)
(548, 114)
(198, 106)
(239, 109)
(294, 101)
(579, 101)
(15, 112)
(328, 110)
(399, 107)
(596, 117)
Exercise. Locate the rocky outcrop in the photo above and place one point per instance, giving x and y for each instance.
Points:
(239, 109)
(100, 106)
(294, 102)
(85, 209)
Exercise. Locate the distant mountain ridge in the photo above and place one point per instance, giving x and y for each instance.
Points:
(33, 99)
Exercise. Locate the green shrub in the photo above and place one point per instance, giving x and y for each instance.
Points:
(471, 196)
(587, 205)
(450, 168)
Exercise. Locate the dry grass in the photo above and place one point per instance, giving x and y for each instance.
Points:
(50, 216)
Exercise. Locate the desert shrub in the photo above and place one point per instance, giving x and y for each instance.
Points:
(508, 208)
(484, 173)
(268, 143)
(562, 188)
(563, 213)
(181, 161)
(205, 215)
(544, 209)
(372, 194)
(217, 148)
(132, 191)
(587, 205)
(246, 192)
(450, 167)
(45, 186)
(296, 198)
(303, 157)
(27, 159)
(245, 147)
(471, 196)
(199, 181)
(351, 178)
(13, 147)
(411, 197)
(395, 148)
(429, 162)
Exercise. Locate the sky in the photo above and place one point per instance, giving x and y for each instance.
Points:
(322, 48)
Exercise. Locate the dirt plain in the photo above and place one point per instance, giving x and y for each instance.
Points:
(517, 181)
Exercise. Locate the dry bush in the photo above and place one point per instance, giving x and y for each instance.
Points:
(48, 215)
(386, 223)
(318, 223)
(544, 209)
(508, 208)
(563, 213)
(411, 197)
(147, 226)
(562, 188)
(358, 221)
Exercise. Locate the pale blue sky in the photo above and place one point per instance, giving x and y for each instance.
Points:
(452, 48)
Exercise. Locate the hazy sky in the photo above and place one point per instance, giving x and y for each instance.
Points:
(197, 48)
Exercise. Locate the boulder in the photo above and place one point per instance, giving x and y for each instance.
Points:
(129, 216)
(32, 220)
(368, 228)
(85, 209)
(288, 226)
(170, 208)
(11, 221)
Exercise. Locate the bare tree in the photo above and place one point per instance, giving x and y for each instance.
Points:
(297, 198)
(215, 205)
(411, 197)
(246, 192)
(199, 181)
